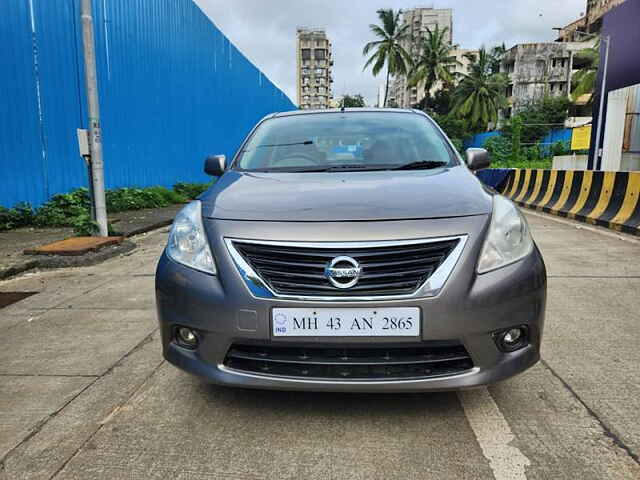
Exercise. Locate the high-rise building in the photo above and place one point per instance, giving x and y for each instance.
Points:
(589, 24)
(419, 19)
(538, 70)
(313, 68)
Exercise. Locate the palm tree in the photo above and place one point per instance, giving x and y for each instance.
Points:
(388, 48)
(480, 94)
(434, 62)
(584, 80)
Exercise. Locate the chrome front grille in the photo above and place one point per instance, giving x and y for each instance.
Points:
(386, 268)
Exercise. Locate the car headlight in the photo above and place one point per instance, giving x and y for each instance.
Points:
(508, 239)
(188, 243)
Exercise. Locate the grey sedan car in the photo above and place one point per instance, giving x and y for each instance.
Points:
(350, 250)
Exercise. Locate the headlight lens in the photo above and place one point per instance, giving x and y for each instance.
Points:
(187, 241)
(508, 239)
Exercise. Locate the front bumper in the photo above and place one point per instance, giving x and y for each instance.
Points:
(468, 310)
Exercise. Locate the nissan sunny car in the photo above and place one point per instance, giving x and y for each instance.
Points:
(350, 250)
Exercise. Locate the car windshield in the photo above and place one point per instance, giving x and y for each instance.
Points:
(345, 141)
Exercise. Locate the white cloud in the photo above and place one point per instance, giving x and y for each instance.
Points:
(264, 30)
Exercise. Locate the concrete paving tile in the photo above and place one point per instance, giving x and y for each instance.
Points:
(54, 289)
(122, 293)
(63, 435)
(556, 433)
(591, 342)
(179, 427)
(175, 426)
(142, 260)
(572, 250)
(26, 401)
(73, 342)
(8, 320)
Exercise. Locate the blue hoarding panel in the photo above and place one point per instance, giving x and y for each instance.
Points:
(22, 155)
(173, 89)
(554, 136)
(58, 36)
(479, 139)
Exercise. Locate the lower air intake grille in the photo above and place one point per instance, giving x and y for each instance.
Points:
(360, 363)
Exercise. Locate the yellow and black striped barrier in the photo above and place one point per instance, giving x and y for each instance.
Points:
(609, 199)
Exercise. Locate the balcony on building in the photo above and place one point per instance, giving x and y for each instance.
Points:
(509, 67)
(557, 88)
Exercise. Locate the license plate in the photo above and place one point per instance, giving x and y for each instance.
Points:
(346, 322)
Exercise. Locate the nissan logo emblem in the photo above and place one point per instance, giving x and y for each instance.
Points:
(342, 272)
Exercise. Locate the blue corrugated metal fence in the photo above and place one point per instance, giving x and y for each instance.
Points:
(173, 89)
(478, 140)
(554, 136)
(560, 135)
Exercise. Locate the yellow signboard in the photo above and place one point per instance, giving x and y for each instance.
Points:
(581, 138)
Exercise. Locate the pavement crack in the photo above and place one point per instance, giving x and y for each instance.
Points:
(140, 344)
(98, 309)
(617, 441)
(593, 276)
(38, 427)
(137, 347)
(47, 375)
(111, 415)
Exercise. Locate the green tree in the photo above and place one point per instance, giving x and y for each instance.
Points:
(455, 128)
(480, 94)
(496, 54)
(439, 103)
(388, 49)
(353, 101)
(499, 148)
(539, 118)
(584, 80)
(434, 62)
(516, 132)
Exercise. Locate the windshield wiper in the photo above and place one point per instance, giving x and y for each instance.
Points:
(306, 142)
(422, 165)
(286, 169)
(323, 168)
(356, 167)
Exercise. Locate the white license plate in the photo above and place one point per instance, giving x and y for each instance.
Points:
(346, 322)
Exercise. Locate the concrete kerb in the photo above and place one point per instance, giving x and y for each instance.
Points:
(88, 259)
(608, 199)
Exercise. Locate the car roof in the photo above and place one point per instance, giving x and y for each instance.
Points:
(340, 110)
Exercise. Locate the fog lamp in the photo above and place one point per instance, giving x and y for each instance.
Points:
(187, 337)
(512, 336)
(512, 339)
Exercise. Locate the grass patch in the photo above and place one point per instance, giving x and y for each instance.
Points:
(544, 163)
(73, 209)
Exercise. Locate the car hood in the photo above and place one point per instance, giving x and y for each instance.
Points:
(349, 196)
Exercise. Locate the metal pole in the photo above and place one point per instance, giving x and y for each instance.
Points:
(95, 134)
(598, 162)
(87, 159)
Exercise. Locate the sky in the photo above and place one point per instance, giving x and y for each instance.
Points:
(265, 31)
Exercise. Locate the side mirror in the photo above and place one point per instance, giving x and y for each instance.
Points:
(477, 158)
(215, 165)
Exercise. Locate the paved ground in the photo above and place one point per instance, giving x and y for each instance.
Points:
(14, 242)
(84, 393)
